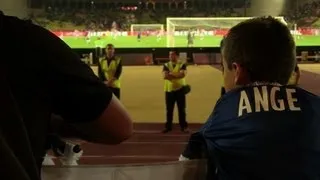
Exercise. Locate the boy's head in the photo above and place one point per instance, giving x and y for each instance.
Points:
(258, 50)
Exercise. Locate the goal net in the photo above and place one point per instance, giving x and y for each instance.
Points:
(181, 26)
(152, 28)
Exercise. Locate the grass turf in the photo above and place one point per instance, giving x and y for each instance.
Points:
(152, 42)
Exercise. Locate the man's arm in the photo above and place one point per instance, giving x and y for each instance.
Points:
(101, 74)
(77, 95)
(180, 74)
(118, 72)
(165, 72)
(59, 126)
(116, 76)
(87, 131)
(195, 149)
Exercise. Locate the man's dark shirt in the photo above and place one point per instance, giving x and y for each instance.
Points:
(223, 91)
(165, 68)
(49, 78)
(272, 144)
(118, 72)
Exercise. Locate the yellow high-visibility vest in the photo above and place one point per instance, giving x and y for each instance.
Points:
(293, 79)
(175, 84)
(110, 70)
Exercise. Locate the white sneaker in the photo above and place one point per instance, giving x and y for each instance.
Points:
(48, 161)
(71, 155)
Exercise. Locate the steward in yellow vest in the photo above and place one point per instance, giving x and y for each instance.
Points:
(174, 80)
(295, 77)
(110, 70)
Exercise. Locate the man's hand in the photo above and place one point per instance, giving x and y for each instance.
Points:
(168, 76)
(110, 83)
(177, 74)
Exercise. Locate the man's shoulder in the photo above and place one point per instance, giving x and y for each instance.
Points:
(117, 58)
(10, 25)
(102, 59)
(253, 99)
(12, 18)
(165, 67)
(259, 106)
(18, 25)
(183, 64)
(253, 90)
(310, 102)
(307, 93)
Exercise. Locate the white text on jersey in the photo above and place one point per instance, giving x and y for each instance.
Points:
(266, 100)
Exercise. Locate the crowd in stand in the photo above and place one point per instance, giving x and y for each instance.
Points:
(305, 15)
(102, 19)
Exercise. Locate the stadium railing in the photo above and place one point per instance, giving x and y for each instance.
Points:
(188, 170)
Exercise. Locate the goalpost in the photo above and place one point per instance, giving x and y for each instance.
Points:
(176, 24)
(146, 27)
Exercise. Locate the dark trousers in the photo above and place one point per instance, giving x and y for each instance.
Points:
(116, 92)
(171, 99)
(223, 91)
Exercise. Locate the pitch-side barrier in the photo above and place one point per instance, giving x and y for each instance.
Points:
(189, 170)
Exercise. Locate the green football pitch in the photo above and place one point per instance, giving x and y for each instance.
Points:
(153, 42)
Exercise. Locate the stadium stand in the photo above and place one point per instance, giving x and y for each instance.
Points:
(99, 18)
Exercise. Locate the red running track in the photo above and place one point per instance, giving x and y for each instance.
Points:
(148, 145)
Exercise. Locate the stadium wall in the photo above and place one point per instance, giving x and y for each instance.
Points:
(132, 59)
(17, 8)
(206, 58)
(208, 55)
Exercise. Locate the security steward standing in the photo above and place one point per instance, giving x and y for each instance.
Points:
(110, 70)
(174, 82)
(295, 77)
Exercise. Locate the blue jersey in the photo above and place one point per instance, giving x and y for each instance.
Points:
(262, 132)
